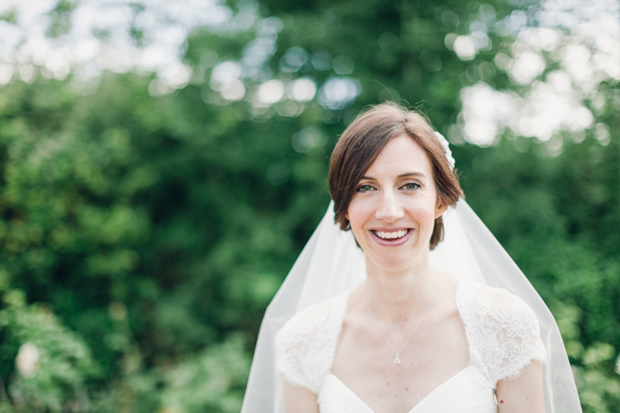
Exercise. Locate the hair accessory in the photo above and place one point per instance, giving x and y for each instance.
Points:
(446, 148)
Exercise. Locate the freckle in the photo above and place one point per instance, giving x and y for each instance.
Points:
(407, 388)
(388, 383)
(501, 401)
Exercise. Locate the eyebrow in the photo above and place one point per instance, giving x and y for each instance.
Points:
(406, 174)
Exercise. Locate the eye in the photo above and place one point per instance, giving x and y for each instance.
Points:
(364, 188)
(411, 186)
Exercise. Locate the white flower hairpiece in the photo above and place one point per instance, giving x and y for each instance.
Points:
(446, 148)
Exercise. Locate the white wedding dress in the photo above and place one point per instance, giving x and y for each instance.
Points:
(502, 334)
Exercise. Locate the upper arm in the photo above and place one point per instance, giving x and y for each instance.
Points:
(299, 399)
(523, 394)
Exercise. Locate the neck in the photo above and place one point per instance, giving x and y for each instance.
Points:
(397, 296)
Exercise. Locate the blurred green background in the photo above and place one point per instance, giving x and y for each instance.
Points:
(152, 199)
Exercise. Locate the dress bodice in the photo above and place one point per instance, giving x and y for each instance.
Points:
(501, 330)
(461, 393)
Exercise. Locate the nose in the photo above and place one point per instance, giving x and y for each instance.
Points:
(389, 209)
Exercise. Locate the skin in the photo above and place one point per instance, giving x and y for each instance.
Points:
(398, 193)
(524, 394)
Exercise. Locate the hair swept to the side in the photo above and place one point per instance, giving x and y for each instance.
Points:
(362, 142)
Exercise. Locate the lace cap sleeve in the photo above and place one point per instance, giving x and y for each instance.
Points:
(502, 331)
(306, 344)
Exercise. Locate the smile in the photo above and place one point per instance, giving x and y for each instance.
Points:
(391, 235)
(393, 238)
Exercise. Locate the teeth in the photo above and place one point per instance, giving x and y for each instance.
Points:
(391, 235)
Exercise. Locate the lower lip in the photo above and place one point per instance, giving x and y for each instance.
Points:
(394, 243)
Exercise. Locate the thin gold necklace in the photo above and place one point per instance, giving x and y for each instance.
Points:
(397, 353)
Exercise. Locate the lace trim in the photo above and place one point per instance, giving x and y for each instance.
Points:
(502, 334)
(503, 329)
(306, 345)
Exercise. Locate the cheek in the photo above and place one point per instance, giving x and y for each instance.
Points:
(424, 212)
(357, 214)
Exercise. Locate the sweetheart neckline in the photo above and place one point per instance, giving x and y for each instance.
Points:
(412, 410)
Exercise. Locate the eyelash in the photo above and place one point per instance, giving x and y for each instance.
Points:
(368, 188)
(417, 185)
(360, 188)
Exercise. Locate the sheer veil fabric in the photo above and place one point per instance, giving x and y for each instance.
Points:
(331, 263)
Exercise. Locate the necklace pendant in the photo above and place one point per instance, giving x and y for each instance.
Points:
(397, 359)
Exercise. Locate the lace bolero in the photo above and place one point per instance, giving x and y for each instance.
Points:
(501, 329)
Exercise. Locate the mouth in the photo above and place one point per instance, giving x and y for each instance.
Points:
(388, 236)
(392, 238)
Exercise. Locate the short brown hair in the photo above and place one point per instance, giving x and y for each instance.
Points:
(362, 142)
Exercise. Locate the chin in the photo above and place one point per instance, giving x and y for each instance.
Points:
(399, 260)
(394, 262)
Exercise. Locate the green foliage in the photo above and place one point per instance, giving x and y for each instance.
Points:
(10, 16)
(53, 363)
(60, 19)
(213, 379)
(147, 225)
(598, 383)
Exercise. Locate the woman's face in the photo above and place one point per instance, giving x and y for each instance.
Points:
(395, 205)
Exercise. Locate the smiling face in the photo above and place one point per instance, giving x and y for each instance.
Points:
(395, 205)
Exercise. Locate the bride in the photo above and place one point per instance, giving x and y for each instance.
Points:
(414, 324)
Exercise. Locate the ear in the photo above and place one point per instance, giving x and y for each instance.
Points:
(440, 208)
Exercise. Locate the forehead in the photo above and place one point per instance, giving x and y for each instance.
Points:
(401, 155)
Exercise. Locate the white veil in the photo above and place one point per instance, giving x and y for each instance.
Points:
(331, 263)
